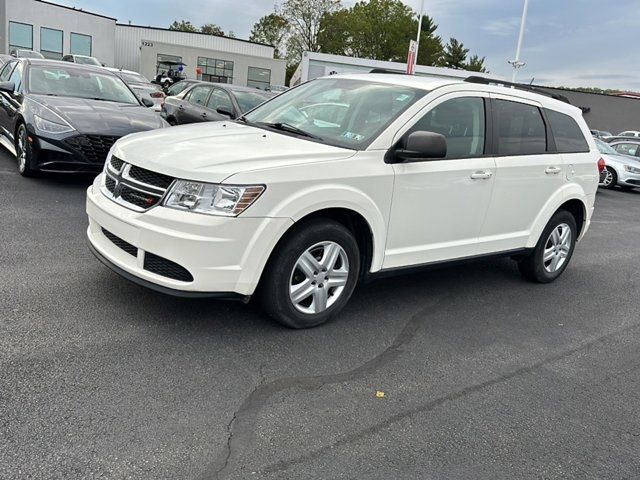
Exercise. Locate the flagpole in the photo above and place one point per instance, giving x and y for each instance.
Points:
(419, 31)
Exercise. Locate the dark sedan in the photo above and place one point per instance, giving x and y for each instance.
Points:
(58, 116)
(210, 102)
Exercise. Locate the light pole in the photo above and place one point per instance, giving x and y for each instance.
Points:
(419, 31)
(517, 63)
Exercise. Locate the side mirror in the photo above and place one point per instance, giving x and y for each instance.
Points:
(147, 102)
(7, 87)
(226, 112)
(421, 146)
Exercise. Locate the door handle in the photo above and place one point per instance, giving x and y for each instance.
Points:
(553, 170)
(480, 175)
(180, 107)
(204, 114)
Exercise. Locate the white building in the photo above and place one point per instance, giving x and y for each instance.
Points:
(314, 65)
(56, 30)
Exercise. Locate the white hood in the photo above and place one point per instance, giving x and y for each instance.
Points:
(214, 151)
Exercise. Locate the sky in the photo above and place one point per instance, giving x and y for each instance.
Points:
(568, 43)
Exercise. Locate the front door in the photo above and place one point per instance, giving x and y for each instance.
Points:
(439, 205)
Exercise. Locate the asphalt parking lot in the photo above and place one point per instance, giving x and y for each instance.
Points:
(484, 375)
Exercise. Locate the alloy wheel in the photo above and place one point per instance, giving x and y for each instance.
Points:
(608, 178)
(557, 248)
(21, 151)
(319, 277)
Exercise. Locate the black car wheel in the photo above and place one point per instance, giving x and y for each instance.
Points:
(24, 152)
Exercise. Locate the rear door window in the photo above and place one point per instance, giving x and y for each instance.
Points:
(520, 129)
(199, 94)
(567, 133)
(627, 148)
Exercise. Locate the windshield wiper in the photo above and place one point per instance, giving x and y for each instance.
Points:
(285, 127)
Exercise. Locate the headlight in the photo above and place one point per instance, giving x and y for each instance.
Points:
(51, 127)
(212, 199)
(630, 169)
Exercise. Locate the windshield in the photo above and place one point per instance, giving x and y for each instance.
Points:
(65, 81)
(133, 78)
(605, 148)
(87, 61)
(250, 100)
(342, 112)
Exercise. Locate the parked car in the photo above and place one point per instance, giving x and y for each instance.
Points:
(298, 212)
(600, 134)
(178, 87)
(629, 133)
(24, 53)
(626, 146)
(64, 117)
(210, 102)
(620, 170)
(82, 60)
(4, 58)
(141, 86)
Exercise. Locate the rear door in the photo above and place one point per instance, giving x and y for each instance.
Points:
(529, 172)
(193, 108)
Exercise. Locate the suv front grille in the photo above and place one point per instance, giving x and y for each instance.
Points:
(134, 187)
(94, 148)
(166, 268)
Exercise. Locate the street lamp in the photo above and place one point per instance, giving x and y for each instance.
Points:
(419, 32)
(517, 63)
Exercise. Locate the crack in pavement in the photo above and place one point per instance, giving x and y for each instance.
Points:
(241, 427)
(285, 464)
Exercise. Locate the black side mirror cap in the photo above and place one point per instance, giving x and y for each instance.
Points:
(419, 146)
(8, 87)
(147, 102)
(224, 111)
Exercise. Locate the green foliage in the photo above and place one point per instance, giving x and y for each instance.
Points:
(476, 64)
(455, 55)
(211, 29)
(183, 26)
(271, 29)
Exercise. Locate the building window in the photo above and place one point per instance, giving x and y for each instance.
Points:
(51, 43)
(20, 36)
(259, 78)
(80, 44)
(214, 70)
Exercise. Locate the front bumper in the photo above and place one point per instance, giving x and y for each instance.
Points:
(629, 179)
(223, 256)
(71, 153)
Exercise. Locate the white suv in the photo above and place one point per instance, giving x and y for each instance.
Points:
(343, 178)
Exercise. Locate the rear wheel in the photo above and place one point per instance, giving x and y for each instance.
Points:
(553, 251)
(610, 178)
(311, 275)
(24, 152)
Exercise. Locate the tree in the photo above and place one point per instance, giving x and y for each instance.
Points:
(455, 55)
(271, 29)
(211, 29)
(183, 26)
(476, 64)
(380, 30)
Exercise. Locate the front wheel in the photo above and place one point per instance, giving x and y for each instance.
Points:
(311, 275)
(24, 152)
(553, 251)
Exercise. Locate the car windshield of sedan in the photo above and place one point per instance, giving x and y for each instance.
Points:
(605, 148)
(250, 100)
(345, 113)
(74, 82)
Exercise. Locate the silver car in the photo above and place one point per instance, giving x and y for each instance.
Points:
(620, 169)
(141, 86)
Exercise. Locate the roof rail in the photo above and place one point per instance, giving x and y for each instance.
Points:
(519, 86)
(386, 70)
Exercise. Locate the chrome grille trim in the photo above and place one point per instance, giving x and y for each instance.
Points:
(128, 190)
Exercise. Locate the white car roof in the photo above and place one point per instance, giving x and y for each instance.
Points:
(431, 83)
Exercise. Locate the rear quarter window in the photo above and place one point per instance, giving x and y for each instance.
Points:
(520, 129)
(566, 133)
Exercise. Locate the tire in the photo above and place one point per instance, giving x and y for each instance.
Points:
(24, 152)
(299, 262)
(534, 267)
(172, 121)
(610, 178)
